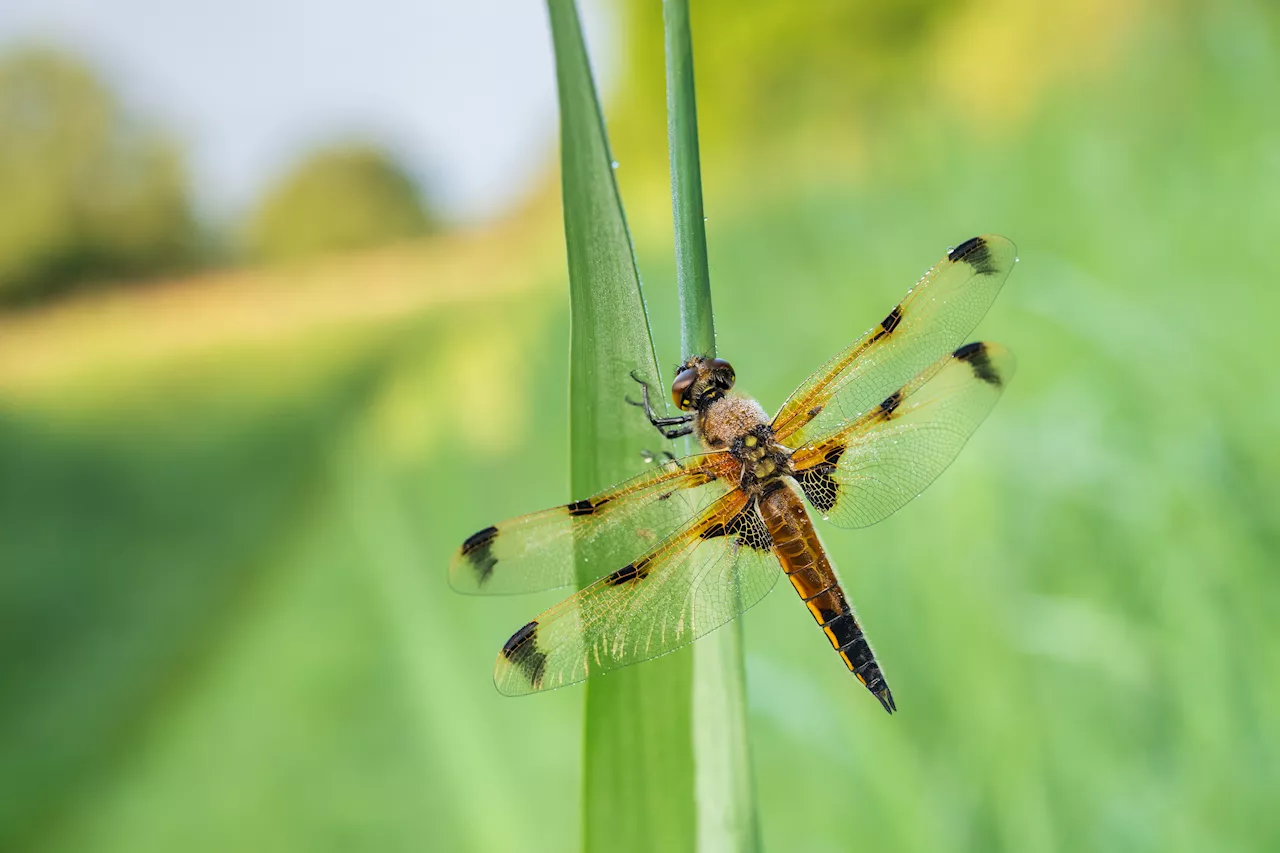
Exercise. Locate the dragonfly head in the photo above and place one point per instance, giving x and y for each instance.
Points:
(700, 381)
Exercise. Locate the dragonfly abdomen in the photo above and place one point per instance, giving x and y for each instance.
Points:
(805, 561)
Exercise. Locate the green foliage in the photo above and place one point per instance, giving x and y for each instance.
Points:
(345, 197)
(861, 42)
(782, 72)
(87, 194)
(645, 768)
(725, 796)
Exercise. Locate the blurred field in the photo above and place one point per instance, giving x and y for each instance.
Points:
(223, 607)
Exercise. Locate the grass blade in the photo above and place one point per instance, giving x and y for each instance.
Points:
(697, 325)
(722, 779)
(637, 750)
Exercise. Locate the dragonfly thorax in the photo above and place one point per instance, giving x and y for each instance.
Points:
(740, 425)
(728, 419)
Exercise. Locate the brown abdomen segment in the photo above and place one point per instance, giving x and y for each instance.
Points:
(805, 562)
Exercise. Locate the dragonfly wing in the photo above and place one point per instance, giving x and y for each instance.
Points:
(867, 469)
(701, 577)
(537, 551)
(935, 317)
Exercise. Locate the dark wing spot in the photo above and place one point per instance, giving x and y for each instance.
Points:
(891, 322)
(522, 650)
(975, 354)
(815, 411)
(819, 487)
(637, 571)
(584, 507)
(747, 526)
(479, 540)
(519, 638)
(750, 530)
(478, 549)
(973, 252)
(890, 403)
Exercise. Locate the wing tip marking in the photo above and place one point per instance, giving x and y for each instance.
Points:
(522, 652)
(974, 252)
(978, 357)
(477, 551)
(478, 540)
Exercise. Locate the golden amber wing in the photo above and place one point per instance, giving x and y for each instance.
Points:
(537, 551)
(699, 578)
(934, 318)
(867, 469)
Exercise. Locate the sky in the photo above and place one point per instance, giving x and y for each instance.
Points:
(462, 92)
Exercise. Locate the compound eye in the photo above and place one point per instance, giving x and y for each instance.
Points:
(682, 386)
(722, 373)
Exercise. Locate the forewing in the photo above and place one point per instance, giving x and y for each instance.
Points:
(868, 469)
(697, 580)
(536, 552)
(934, 318)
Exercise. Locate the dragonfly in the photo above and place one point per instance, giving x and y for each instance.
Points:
(694, 542)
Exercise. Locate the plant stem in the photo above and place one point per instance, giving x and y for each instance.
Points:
(637, 773)
(725, 795)
(693, 277)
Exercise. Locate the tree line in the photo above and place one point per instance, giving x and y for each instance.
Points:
(93, 197)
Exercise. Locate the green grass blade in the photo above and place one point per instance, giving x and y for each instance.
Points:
(637, 750)
(697, 326)
(722, 778)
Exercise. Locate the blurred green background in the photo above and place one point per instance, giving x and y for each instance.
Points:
(237, 455)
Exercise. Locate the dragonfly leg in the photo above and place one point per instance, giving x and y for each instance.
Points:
(669, 427)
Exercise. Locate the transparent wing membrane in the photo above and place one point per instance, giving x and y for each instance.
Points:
(536, 552)
(934, 318)
(866, 470)
(703, 576)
